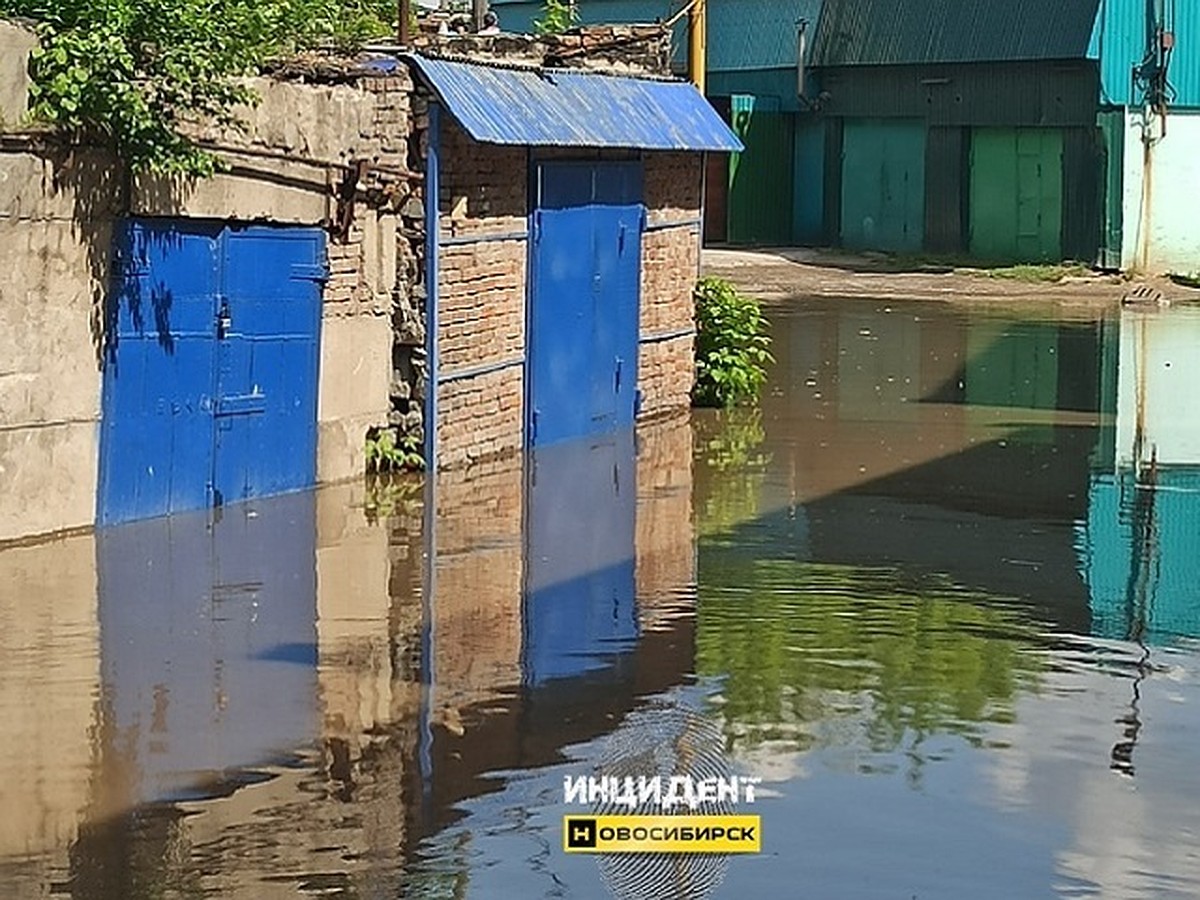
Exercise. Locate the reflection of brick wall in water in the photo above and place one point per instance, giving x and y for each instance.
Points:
(477, 594)
(665, 555)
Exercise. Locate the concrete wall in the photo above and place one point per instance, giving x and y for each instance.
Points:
(15, 44)
(1159, 233)
(56, 218)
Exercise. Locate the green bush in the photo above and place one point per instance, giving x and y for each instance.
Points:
(731, 345)
(557, 16)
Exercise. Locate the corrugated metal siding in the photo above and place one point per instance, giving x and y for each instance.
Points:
(808, 203)
(883, 188)
(882, 32)
(1119, 42)
(778, 84)
(945, 166)
(757, 34)
(574, 109)
(760, 178)
(1016, 194)
(1042, 93)
(1083, 193)
(742, 34)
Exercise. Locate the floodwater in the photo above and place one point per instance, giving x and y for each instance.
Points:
(939, 592)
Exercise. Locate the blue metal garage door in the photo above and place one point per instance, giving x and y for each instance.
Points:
(583, 318)
(210, 377)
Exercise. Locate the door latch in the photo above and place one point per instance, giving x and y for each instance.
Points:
(224, 320)
(617, 376)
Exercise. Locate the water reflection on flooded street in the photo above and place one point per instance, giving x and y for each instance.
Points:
(939, 591)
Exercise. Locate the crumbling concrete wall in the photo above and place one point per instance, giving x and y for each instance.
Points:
(612, 49)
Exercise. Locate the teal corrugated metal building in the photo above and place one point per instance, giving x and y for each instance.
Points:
(997, 104)
(1051, 76)
(1120, 40)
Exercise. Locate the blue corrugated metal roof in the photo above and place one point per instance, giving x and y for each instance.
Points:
(897, 32)
(560, 108)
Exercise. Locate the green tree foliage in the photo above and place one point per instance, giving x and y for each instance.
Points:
(557, 17)
(731, 345)
(136, 73)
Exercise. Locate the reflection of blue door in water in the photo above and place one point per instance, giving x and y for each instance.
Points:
(583, 300)
(208, 642)
(579, 610)
(210, 376)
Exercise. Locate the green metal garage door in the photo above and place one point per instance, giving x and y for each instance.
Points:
(883, 184)
(1016, 194)
(760, 177)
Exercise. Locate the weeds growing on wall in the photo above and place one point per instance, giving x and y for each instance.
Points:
(386, 453)
(137, 73)
(557, 16)
(732, 346)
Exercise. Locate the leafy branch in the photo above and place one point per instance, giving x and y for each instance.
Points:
(138, 74)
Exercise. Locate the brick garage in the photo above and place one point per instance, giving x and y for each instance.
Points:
(487, 245)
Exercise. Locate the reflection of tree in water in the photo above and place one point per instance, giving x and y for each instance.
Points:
(812, 651)
(730, 467)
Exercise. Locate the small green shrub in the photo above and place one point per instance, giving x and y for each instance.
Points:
(731, 345)
(386, 454)
(557, 17)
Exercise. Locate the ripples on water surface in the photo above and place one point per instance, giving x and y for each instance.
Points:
(939, 592)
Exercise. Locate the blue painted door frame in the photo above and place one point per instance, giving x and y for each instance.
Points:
(210, 375)
(584, 294)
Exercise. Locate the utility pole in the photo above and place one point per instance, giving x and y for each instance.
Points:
(479, 9)
(403, 11)
(697, 43)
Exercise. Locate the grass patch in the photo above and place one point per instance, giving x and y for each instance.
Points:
(1192, 280)
(1044, 273)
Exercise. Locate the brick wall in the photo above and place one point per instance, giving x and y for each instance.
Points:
(670, 265)
(481, 300)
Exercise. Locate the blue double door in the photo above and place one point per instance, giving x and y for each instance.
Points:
(210, 370)
(583, 301)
